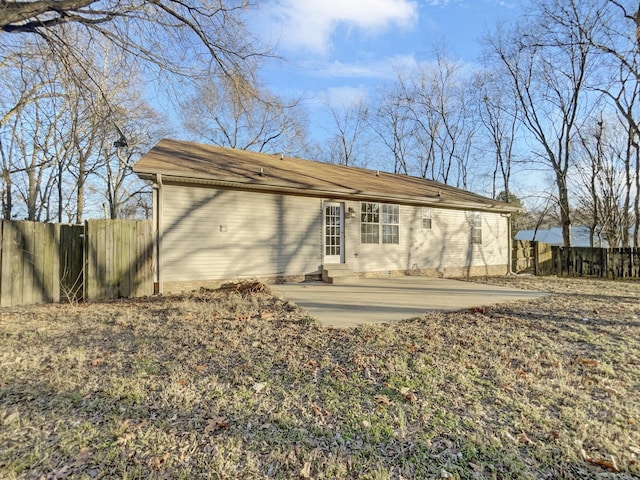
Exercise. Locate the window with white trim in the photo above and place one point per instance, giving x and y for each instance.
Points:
(369, 221)
(476, 228)
(376, 218)
(390, 224)
(426, 218)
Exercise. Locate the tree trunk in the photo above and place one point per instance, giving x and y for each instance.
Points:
(563, 203)
(636, 203)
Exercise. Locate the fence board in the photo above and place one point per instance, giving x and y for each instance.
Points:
(143, 278)
(28, 263)
(52, 262)
(6, 264)
(614, 263)
(523, 256)
(117, 259)
(25, 238)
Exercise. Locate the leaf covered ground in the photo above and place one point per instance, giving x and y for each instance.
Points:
(239, 384)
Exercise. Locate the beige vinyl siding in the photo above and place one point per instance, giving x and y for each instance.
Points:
(213, 234)
(447, 245)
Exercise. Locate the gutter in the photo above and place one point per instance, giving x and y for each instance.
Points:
(510, 271)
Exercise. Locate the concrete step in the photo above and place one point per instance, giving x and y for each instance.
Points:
(338, 274)
(344, 279)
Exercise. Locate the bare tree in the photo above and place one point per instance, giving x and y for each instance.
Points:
(123, 193)
(28, 132)
(348, 136)
(53, 143)
(602, 188)
(547, 65)
(443, 115)
(498, 113)
(237, 115)
(157, 32)
(612, 29)
(392, 122)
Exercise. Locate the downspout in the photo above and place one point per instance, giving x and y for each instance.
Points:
(509, 246)
(157, 244)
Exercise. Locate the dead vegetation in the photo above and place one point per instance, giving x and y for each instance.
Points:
(238, 384)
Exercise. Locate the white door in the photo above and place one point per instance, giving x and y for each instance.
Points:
(333, 232)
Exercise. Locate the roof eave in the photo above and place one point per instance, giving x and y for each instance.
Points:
(251, 184)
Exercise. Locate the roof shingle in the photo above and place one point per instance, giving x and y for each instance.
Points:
(193, 163)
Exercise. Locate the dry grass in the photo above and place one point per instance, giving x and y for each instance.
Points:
(238, 384)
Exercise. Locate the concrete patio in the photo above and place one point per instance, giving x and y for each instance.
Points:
(382, 300)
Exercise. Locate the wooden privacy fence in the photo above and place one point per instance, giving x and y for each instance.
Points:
(612, 263)
(102, 259)
(543, 259)
(532, 256)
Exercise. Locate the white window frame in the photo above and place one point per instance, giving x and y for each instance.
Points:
(379, 223)
(390, 224)
(476, 228)
(427, 218)
(369, 223)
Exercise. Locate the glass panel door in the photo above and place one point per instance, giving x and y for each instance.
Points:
(333, 233)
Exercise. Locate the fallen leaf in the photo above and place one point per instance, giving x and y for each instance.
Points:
(316, 411)
(216, 424)
(445, 474)
(266, 315)
(258, 387)
(382, 399)
(523, 438)
(306, 470)
(522, 373)
(158, 463)
(11, 418)
(123, 439)
(588, 361)
(631, 421)
(81, 458)
(408, 394)
(609, 464)
(200, 367)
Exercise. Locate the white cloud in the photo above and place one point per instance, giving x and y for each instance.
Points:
(309, 24)
(385, 68)
(345, 96)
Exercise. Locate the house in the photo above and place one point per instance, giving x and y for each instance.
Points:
(223, 214)
(553, 236)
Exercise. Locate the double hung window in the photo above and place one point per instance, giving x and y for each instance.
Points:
(379, 221)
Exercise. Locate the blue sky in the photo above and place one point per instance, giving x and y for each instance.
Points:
(341, 49)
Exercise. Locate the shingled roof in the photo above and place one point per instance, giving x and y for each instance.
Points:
(192, 163)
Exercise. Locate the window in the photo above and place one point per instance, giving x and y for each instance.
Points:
(374, 218)
(476, 228)
(369, 220)
(390, 224)
(426, 218)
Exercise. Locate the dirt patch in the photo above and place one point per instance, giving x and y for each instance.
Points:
(238, 384)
